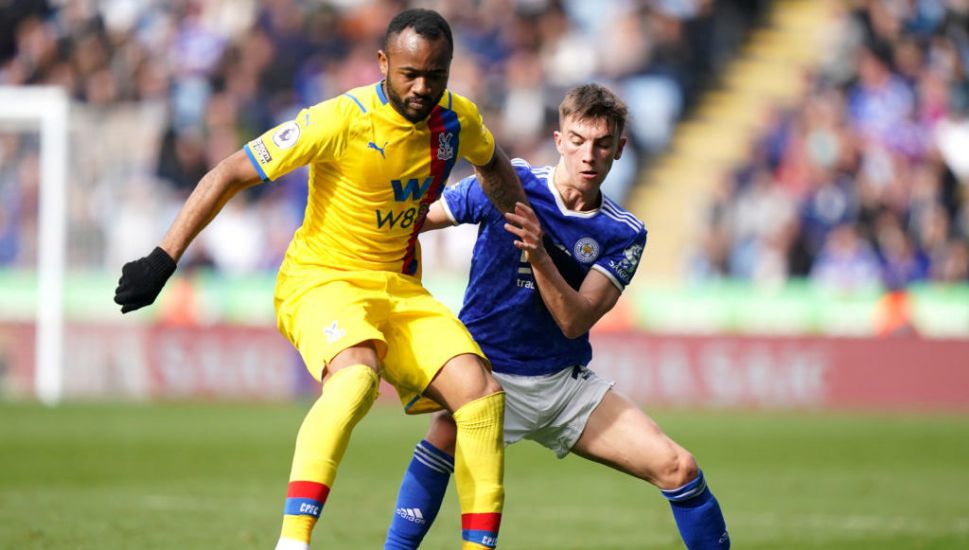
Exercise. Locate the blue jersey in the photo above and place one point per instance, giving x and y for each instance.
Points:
(502, 306)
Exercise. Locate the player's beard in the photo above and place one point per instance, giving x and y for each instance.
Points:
(400, 105)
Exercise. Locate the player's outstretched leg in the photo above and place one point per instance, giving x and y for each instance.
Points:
(479, 462)
(420, 496)
(698, 515)
(320, 445)
(620, 435)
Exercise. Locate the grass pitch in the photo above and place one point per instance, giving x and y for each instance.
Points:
(214, 475)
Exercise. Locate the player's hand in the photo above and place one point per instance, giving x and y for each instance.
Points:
(142, 280)
(524, 224)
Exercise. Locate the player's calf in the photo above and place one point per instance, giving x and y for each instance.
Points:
(479, 469)
(698, 515)
(420, 496)
(425, 482)
(320, 445)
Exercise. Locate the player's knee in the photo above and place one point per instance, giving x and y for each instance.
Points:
(490, 385)
(364, 353)
(678, 469)
(442, 432)
(481, 384)
(463, 379)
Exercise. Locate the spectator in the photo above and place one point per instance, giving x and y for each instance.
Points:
(846, 262)
(873, 157)
(220, 69)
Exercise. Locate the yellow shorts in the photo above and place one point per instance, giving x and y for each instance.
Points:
(324, 312)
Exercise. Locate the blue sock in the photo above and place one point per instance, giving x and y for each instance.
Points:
(698, 516)
(420, 496)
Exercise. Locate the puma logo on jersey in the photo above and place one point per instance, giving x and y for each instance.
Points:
(380, 150)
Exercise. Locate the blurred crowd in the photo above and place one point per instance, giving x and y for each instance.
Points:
(864, 184)
(163, 90)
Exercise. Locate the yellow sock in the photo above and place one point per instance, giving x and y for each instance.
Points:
(320, 445)
(479, 466)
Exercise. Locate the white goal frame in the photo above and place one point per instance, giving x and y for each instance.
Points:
(46, 109)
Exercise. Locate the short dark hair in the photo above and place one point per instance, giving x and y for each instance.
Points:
(427, 23)
(594, 101)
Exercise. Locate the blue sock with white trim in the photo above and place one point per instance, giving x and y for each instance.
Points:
(420, 496)
(698, 516)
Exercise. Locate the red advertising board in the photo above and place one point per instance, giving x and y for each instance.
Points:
(232, 362)
(781, 372)
(149, 362)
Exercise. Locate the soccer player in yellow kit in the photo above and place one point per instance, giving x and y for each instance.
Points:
(348, 294)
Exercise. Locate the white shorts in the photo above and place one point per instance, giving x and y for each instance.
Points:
(551, 409)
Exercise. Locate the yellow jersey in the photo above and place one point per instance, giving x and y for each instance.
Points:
(373, 174)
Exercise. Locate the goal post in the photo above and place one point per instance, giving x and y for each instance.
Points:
(46, 109)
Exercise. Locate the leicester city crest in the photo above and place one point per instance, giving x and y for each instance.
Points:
(586, 250)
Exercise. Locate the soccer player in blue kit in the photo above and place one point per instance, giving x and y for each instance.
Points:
(530, 306)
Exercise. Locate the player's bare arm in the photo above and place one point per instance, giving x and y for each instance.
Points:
(500, 182)
(143, 279)
(437, 217)
(220, 184)
(575, 312)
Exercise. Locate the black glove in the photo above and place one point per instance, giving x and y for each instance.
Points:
(142, 280)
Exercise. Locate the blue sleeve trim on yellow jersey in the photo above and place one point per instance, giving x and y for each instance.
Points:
(449, 100)
(255, 164)
(358, 102)
(411, 403)
(380, 93)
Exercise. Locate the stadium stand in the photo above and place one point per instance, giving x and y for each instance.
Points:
(163, 89)
(854, 180)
